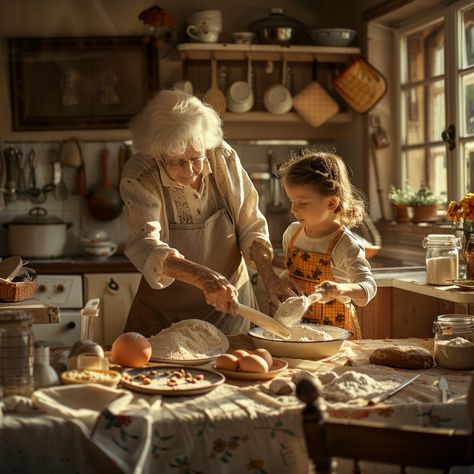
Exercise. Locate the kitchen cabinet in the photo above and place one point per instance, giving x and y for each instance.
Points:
(375, 319)
(116, 292)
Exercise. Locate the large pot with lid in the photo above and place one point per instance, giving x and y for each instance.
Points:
(278, 28)
(37, 235)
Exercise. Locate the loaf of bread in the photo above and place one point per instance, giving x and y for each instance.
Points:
(403, 357)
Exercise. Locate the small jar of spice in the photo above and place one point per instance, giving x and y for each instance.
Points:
(454, 341)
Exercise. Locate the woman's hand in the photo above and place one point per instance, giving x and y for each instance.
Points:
(220, 293)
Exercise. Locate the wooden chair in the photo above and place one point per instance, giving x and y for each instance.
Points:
(379, 442)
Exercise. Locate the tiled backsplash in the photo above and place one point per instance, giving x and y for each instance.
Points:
(254, 157)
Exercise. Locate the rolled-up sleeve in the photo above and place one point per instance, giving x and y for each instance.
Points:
(243, 197)
(144, 248)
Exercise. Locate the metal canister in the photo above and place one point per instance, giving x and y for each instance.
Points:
(16, 354)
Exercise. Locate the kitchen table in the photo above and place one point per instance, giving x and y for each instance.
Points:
(239, 427)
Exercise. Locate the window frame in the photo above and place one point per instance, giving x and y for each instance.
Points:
(456, 172)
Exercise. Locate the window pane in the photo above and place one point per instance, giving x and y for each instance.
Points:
(467, 105)
(437, 176)
(437, 118)
(414, 115)
(425, 52)
(468, 43)
(468, 159)
(415, 168)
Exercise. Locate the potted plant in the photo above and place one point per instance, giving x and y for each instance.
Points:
(400, 199)
(425, 205)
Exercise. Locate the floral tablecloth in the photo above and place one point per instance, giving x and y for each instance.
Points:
(240, 427)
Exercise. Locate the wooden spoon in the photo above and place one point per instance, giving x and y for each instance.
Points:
(264, 321)
(214, 96)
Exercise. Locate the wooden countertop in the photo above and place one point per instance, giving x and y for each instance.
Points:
(68, 265)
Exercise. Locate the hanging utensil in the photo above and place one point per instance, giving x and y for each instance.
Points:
(214, 96)
(11, 158)
(104, 202)
(34, 192)
(60, 190)
(21, 190)
(70, 154)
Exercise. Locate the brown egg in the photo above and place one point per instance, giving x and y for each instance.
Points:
(131, 349)
(227, 362)
(264, 354)
(253, 363)
(239, 353)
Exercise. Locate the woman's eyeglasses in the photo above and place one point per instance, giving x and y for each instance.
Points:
(182, 163)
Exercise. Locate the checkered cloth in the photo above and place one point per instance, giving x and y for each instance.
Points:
(314, 104)
(360, 85)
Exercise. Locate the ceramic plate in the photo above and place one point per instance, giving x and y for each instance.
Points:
(279, 365)
(189, 381)
(464, 283)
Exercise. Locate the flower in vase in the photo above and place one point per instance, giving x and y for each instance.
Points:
(461, 211)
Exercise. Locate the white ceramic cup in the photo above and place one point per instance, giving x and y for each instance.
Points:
(185, 86)
(203, 34)
(277, 99)
(99, 249)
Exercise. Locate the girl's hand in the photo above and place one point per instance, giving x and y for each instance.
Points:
(220, 293)
(279, 290)
(330, 290)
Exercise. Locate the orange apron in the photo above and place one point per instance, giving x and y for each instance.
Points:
(308, 269)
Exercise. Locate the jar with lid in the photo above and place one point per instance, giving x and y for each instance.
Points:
(16, 358)
(442, 258)
(454, 341)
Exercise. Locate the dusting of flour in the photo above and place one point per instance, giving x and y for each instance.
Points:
(188, 339)
(352, 385)
(302, 333)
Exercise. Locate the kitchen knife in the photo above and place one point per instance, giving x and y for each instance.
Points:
(383, 397)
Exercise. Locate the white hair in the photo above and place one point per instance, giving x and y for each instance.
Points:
(172, 122)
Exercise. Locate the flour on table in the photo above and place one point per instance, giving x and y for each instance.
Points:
(302, 333)
(352, 385)
(188, 339)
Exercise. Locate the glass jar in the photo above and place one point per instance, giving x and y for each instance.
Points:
(454, 341)
(16, 354)
(442, 258)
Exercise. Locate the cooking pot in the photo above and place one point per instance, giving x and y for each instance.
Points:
(37, 235)
(277, 28)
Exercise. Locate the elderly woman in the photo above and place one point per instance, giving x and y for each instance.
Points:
(193, 216)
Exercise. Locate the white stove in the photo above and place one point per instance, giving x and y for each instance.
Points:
(65, 292)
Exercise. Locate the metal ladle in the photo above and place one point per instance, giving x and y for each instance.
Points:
(34, 192)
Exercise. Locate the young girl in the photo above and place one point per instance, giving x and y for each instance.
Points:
(321, 253)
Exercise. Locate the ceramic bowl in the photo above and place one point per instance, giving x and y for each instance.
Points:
(332, 36)
(243, 37)
(99, 249)
(302, 349)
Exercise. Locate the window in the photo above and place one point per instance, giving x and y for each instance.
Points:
(437, 90)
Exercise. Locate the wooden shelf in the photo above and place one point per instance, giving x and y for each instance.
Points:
(265, 52)
(290, 117)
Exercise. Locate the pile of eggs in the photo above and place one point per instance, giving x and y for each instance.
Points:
(259, 360)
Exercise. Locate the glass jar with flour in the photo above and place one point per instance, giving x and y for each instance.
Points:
(442, 258)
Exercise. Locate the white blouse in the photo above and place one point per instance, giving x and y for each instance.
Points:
(348, 262)
(141, 187)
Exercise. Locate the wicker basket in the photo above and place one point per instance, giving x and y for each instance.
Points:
(16, 291)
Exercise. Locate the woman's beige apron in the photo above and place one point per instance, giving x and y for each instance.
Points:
(213, 244)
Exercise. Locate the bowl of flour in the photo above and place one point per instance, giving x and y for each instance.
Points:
(308, 341)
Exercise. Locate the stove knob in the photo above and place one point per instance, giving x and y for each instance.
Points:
(71, 325)
(60, 289)
(42, 288)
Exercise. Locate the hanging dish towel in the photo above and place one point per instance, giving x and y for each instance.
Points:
(314, 104)
(360, 85)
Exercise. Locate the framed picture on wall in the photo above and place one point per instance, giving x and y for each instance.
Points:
(80, 83)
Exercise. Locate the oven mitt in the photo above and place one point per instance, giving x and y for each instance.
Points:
(360, 85)
(314, 104)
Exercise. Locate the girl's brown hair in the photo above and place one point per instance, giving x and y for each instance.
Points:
(327, 174)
